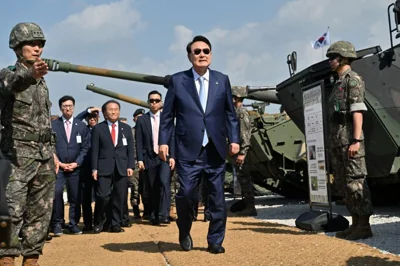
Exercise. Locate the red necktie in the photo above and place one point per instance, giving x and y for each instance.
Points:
(113, 133)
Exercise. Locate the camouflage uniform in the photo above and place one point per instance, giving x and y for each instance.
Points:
(174, 187)
(28, 142)
(243, 171)
(133, 183)
(350, 172)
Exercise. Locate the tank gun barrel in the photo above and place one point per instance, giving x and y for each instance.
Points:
(55, 65)
(263, 93)
(118, 96)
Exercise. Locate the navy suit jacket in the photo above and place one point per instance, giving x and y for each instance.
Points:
(105, 157)
(183, 103)
(73, 151)
(144, 141)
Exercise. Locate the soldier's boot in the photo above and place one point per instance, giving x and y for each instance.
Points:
(249, 210)
(31, 261)
(348, 231)
(237, 206)
(172, 213)
(136, 212)
(7, 261)
(362, 231)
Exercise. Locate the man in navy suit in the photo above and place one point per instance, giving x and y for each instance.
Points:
(71, 148)
(157, 173)
(112, 162)
(200, 100)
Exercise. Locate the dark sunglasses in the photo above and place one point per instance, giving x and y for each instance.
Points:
(198, 51)
(154, 100)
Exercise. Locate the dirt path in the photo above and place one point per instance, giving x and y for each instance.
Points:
(248, 242)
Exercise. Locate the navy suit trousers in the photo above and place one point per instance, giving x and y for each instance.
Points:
(74, 198)
(211, 167)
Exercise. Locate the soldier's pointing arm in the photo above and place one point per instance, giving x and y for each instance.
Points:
(16, 81)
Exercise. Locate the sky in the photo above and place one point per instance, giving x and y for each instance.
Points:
(250, 43)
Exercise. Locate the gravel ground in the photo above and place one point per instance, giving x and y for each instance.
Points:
(385, 222)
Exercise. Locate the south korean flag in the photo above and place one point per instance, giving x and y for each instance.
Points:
(322, 41)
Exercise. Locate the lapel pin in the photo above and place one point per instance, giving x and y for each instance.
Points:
(216, 82)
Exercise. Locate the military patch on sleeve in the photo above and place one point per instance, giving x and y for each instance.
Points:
(354, 83)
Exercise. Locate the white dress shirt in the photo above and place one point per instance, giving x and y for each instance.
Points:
(116, 131)
(197, 81)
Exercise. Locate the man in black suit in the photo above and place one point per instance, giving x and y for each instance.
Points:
(157, 172)
(112, 162)
(71, 148)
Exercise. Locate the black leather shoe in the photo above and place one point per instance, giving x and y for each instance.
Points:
(97, 228)
(116, 229)
(165, 221)
(126, 224)
(49, 237)
(186, 243)
(215, 249)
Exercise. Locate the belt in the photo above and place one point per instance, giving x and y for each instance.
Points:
(42, 137)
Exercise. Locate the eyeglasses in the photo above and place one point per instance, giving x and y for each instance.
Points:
(154, 100)
(198, 51)
(67, 106)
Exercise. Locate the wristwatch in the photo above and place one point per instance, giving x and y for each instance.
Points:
(357, 140)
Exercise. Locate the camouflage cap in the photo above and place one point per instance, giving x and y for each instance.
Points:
(25, 32)
(343, 48)
(239, 91)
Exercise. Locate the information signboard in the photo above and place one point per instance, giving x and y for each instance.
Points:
(315, 143)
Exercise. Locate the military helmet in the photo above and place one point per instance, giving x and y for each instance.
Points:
(343, 48)
(239, 91)
(25, 32)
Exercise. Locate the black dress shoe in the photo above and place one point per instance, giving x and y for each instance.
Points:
(116, 229)
(186, 243)
(165, 221)
(215, 249)
(49, 237)
(97, 228)
(126, 224)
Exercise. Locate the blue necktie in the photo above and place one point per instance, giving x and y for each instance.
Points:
(203, 101)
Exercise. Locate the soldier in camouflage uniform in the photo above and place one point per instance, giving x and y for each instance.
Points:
(28, 142)
(347, 151)
(243, 159)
